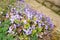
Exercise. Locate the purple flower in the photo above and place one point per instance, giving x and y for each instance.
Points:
(46, 27)
(17, 16)
(34, 12)
(37, 21)
(28, 31)
(42, 24)
(16, 12)
(21, 0)
(25, 21)
(12, 18)
(10, 30)
(15, 26)
(27, 10)
(39, 25)
(36, 16)
(13, 10)
(18, 25)
(24, 30)
(40, 16)
(51, 25)
(50, 22)
(28, 15)
(7, 16)
(48, 19)
(33, 27)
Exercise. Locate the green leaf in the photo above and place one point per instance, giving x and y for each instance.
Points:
(21, 37)
(34, 32)
(27, 25)
(38, 29)
(5, 28)
(10, 37)
(1, 29)
(2, 35)
(28, 20)
(17, 21)
(34, 18)
(34, 37)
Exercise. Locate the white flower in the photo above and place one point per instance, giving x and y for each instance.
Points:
(10, 29)
(12, 20)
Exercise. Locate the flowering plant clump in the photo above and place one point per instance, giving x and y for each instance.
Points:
(28, 24)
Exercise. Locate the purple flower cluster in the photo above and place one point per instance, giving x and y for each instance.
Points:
(28, 32)
(31, 17)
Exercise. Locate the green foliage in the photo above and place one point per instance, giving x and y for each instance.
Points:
(38, 29)
(3, 31)
(25, 37)
(17, 21)
(12, 1)
(4, 26)
(34, 37)
(3, 36)
(27, 25)
(33, 32)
